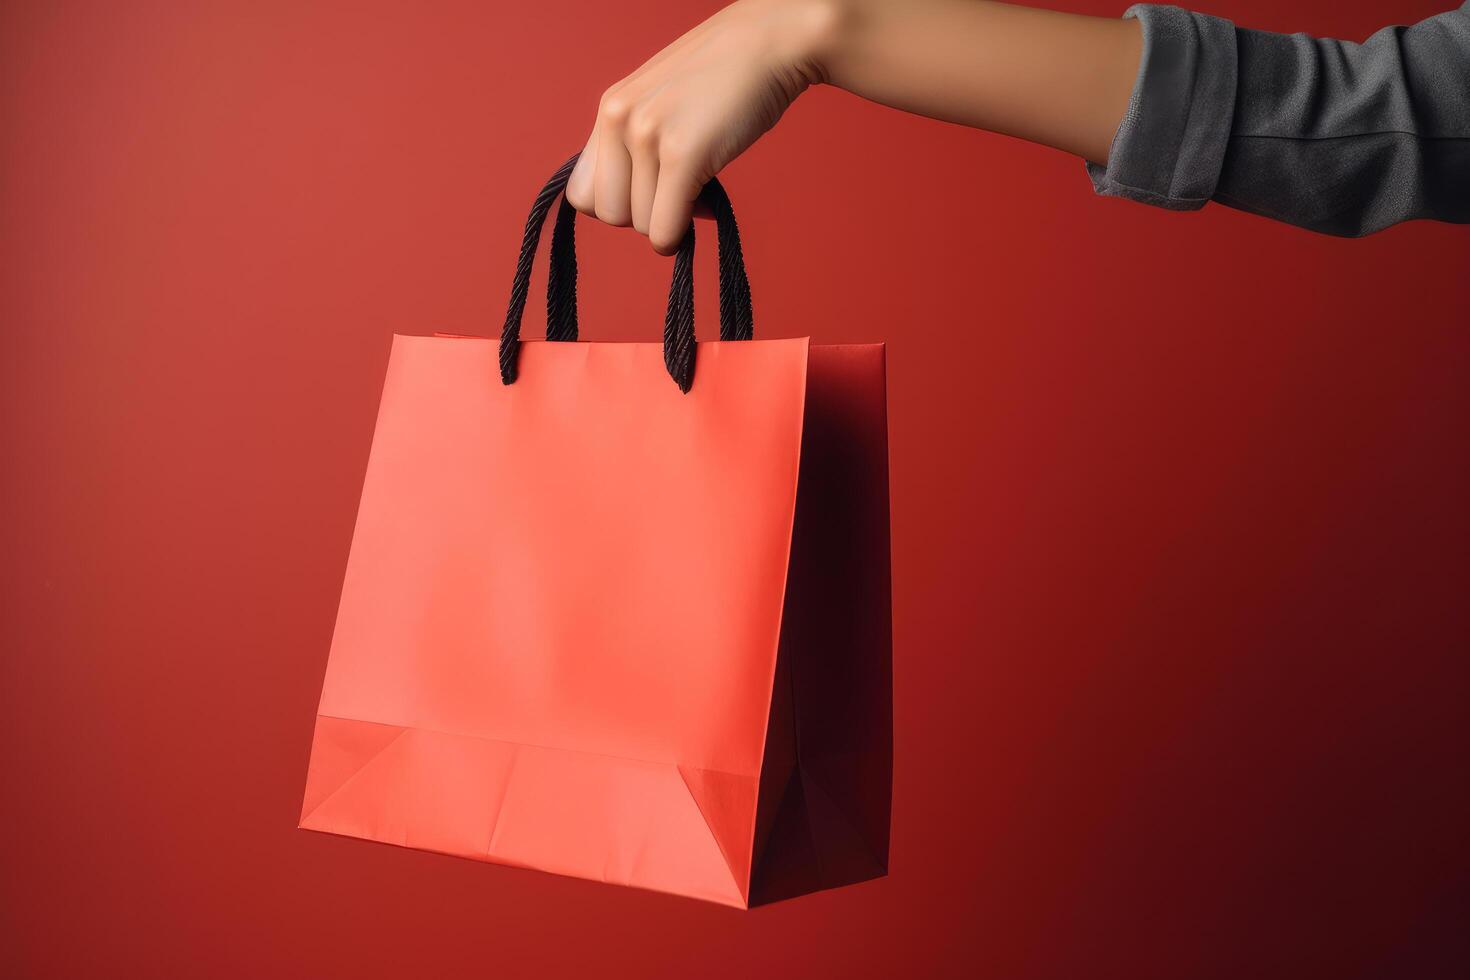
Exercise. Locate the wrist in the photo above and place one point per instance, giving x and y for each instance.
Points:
(815, 33)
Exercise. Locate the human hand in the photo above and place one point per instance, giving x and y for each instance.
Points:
(663, 131)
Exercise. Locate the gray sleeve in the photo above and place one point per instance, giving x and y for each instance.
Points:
(1338, 137)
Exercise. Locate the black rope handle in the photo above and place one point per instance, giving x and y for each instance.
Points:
(736, 321)
(561, 302)
(679, 345)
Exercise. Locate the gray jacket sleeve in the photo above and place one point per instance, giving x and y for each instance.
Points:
(1338, 137)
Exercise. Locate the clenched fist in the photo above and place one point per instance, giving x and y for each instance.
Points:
(663, 131)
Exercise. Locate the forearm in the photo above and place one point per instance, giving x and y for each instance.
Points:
(663, 131)
(1059, 79)
(1339, 137)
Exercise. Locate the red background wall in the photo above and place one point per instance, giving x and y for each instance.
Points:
(1181, 545)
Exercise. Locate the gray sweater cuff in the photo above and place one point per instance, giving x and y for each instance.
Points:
(1171, 143)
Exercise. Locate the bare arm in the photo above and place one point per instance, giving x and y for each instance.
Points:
(1063, 80)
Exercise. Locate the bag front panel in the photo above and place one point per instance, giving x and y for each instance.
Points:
(587, 560)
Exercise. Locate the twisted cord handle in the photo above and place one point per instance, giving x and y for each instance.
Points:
(736, 319)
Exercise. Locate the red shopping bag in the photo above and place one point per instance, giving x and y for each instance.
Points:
(601, 624)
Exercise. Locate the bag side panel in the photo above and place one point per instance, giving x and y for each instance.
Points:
(824, 816)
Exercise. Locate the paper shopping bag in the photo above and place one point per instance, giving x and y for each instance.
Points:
(604, 624)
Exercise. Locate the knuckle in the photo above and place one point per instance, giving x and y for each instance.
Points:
(643, 126)
(614, 108)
